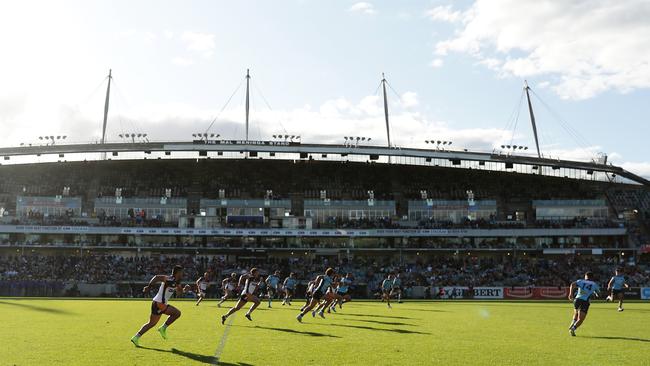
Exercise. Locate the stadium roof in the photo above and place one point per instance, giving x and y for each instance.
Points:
(283, 150)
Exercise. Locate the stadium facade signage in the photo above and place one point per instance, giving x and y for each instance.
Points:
(243, 142)
(645, 293)
(27, 229)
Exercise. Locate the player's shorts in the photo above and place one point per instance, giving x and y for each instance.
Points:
(582, 305)
(289, 291)
(201, 293)
(273, 291)
(243, 297)
(616, 292)
(397, 289)
(158, 308)
(342, 294)
(385, 292)
(317, 295)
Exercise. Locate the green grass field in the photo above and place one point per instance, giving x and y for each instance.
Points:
(97, 332)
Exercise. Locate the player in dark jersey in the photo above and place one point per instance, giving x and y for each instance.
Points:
(169, 285)
(308, 291)
(386, 289)
(249, 283)
(323, 282)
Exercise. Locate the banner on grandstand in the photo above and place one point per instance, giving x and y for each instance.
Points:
(460, 292)
(536, 293)
(645, 293)
(633, 293)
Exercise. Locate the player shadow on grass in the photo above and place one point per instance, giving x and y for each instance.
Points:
(400, 331)
(210, 360)
(378, 322)
(620, 338)
(293, 331)
(428, 310)
(38, 308)
(380, 316)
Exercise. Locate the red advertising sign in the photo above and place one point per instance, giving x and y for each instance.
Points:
(536, 293)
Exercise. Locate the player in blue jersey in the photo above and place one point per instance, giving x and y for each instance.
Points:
(586, 288)
(397, 288)
(342, 292)
(272, 285)
(386, 288)
(319, 292)
(289, 286)
(617, 286)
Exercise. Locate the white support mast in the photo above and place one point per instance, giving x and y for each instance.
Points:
(248, 78)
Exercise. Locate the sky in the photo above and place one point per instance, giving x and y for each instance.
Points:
(455, 69)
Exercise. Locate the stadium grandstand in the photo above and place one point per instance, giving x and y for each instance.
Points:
(99, 222)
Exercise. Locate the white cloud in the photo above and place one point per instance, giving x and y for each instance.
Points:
(202, 43)
(363, 8)
(444, 13)
(409, 99)
(642, 169)
(182, 61)
(583, 48)
(437, 63)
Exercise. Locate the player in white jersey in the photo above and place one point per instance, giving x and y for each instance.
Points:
(202, 286)
(168, 286)
(249, 283)
(397, 288)
(228, 286)
(586, 288)
(308, 291)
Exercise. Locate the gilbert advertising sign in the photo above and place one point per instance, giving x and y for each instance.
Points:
(460, 292)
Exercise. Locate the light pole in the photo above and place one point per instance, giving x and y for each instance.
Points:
(353, 141)
(142, 137)
(51, 140)
(511, 149)
(203, 136)
(438, 143)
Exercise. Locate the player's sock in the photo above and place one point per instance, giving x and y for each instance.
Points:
(573, 323)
